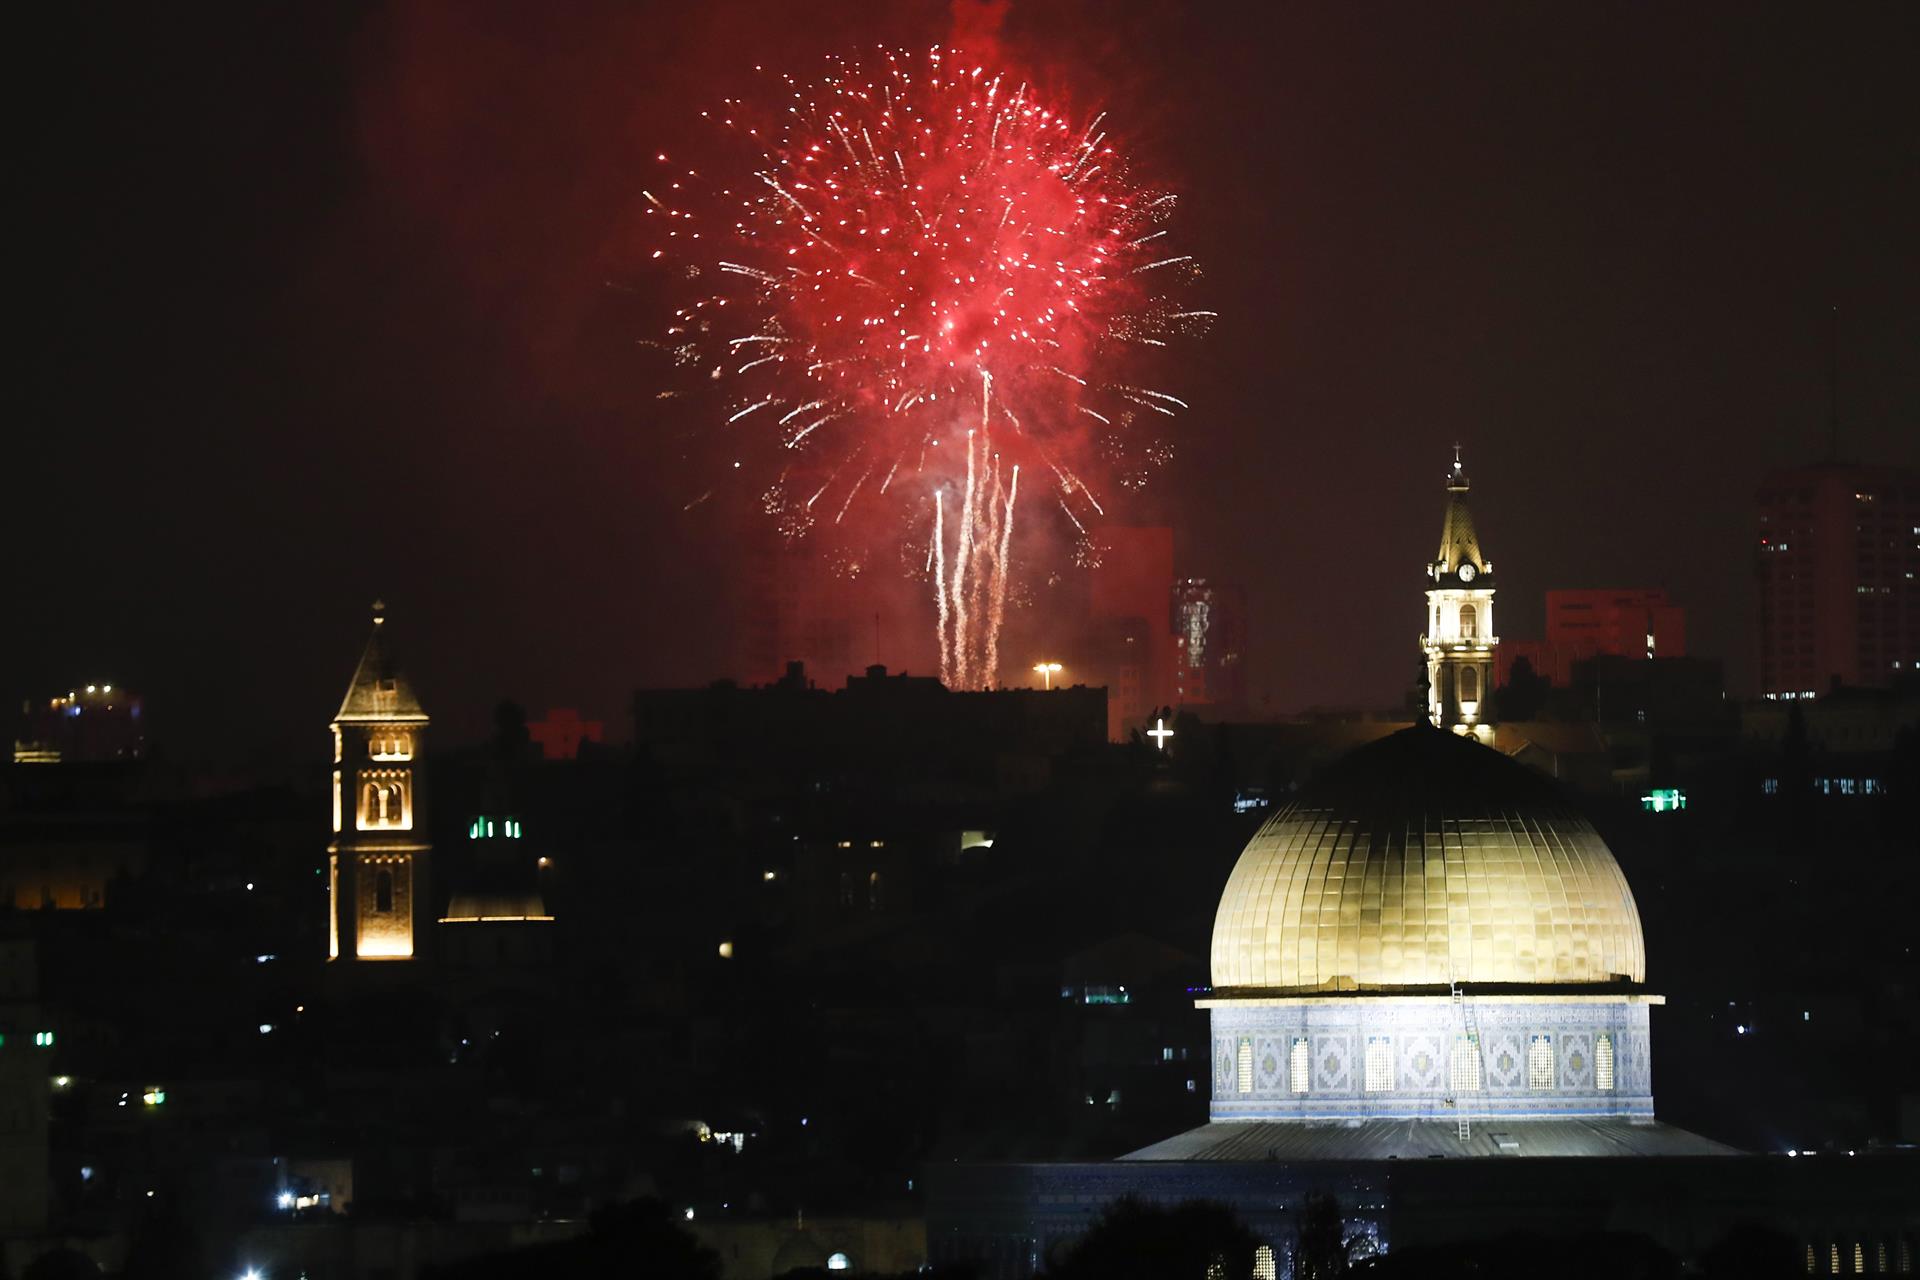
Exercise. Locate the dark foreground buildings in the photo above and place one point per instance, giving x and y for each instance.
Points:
(879, 975)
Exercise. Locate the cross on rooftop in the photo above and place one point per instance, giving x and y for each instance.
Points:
(1160, 733)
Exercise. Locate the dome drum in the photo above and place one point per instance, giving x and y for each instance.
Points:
(1370, 1057)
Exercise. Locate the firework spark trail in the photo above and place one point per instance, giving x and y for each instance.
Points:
(939, 554)
(961, 556)
(897, 252)
(999, 609)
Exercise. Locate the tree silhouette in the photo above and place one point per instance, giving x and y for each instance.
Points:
(1753, 1251)
(1138, 1241)
(1524, 693)
(1320, 1244)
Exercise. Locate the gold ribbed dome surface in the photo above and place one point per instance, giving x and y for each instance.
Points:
(1420, 860)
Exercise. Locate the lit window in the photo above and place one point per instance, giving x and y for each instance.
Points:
(384, 800)
(1833, 1259)
(839, 1262)
(336, 800)
(1466, 1064)
(1166, 1054)
(1298, 1065)
(1379, 1064)
(1859, 1258)
(392, 746)
(1603, 1062)
(1244, 1066)
(1810, 1260)
(1540, 1062)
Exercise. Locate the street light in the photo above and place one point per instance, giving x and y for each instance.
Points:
(1047, 670)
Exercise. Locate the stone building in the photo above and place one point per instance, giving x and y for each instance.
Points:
(378, 890)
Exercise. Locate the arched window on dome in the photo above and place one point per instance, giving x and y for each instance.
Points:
(1379, 1064)
(1469, 622)
(839, 1262)
(1603, 1062)
(1540, 1062)
(1298, 1066)
(1466, 1064)
(1243, 1066)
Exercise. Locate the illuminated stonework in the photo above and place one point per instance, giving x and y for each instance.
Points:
(1460, 639)
(383, 925)
(377, 869)
(384, 800)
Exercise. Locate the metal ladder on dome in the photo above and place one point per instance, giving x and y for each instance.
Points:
(1469, 1031)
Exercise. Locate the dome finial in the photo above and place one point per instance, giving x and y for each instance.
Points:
(379, 612)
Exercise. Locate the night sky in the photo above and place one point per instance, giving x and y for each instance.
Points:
(321, 305)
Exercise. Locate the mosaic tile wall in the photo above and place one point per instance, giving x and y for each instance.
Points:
(1420, 1037)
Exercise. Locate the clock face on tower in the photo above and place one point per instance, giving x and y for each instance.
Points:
(1466, 573)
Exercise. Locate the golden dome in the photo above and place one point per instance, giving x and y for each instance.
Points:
(1422, 859)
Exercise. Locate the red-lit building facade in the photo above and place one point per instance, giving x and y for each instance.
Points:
(1629, 622)
(1837, 554)
(1209, 643)
(1131, 646)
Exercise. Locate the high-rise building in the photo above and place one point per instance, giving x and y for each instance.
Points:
(377, 863)
(1209, 643)
(1837, 559)
(1132, 641)
(1628, 622)
(1459, 642)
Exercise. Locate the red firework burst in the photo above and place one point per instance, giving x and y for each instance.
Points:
(922, 278)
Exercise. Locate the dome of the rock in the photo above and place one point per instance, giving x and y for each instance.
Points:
(1422, 860)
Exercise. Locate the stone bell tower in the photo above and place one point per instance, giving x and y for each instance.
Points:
(1459, 640)
(377, 863)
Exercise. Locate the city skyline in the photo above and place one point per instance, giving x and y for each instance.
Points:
(351, 295)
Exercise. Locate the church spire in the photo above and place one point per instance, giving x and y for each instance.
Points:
(1459, 543)
(377, 860)
(378, 690)
(1459, 642)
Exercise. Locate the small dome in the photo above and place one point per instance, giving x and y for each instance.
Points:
(1422, 859)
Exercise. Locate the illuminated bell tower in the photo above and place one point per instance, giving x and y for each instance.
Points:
(377, 862)
(1459, 640)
